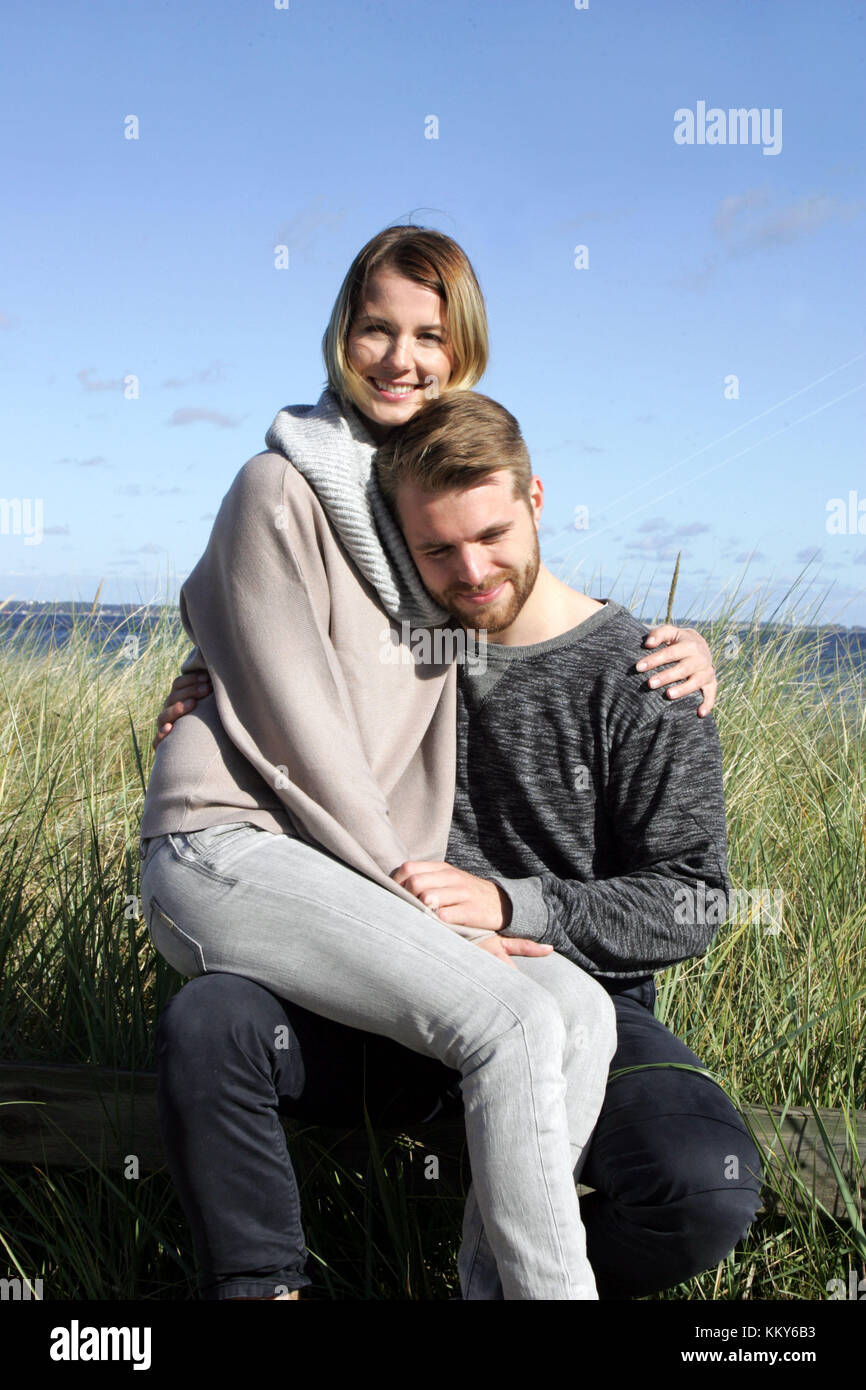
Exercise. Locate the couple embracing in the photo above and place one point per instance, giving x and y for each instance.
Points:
(456, 878)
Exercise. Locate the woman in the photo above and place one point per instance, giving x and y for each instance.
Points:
(286, 606)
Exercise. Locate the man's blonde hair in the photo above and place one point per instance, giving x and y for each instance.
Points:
(453, 442)
(431, 259)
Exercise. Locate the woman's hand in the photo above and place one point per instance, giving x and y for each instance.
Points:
(185, 692)
(456, 896)
(694, 669)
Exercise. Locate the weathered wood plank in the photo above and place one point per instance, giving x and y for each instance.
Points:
(72, 1116)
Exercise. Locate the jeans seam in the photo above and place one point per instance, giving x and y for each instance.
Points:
(194, 947)
(199, 864)
(231, 832)
(474, 1257)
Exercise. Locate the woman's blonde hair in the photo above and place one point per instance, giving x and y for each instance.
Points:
(431, 259)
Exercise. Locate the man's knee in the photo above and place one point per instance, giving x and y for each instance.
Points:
(704, 1154)
(687, 1237)
(700, 1230)
(681, 1208)
(668, 1134)
(215, 1011)
(724, 1218)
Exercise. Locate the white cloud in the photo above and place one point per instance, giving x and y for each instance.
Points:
(190, 415)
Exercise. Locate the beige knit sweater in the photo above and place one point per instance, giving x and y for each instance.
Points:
(308, 732)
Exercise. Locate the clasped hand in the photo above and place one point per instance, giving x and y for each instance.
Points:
(465, 900)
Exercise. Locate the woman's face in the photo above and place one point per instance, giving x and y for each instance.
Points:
(398, 344)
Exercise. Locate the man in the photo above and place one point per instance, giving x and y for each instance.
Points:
(588, 816)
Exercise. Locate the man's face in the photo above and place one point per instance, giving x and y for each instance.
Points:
(476, 549)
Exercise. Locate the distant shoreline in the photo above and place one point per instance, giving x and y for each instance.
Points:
(69, 608)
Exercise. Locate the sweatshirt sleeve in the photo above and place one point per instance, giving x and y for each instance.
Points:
(257, 606)
(664, 811)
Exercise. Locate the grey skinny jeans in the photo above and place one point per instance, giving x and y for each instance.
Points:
(240, 899)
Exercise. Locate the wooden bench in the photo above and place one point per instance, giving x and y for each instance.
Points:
(71, 1116)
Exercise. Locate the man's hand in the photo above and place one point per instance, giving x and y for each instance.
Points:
(185, 692)
(694, 668)
(504, 946)
(454, 895)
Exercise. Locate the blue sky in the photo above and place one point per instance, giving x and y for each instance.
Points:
(306, 127)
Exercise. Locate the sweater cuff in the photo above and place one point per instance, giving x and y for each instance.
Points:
(528, 907)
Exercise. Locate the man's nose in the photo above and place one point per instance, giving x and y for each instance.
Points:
(471, 566)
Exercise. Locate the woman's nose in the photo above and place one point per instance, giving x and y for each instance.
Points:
(398, 354)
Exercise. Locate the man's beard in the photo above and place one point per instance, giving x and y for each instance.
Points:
(503, 611)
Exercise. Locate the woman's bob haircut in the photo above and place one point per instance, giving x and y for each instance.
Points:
(431, 259)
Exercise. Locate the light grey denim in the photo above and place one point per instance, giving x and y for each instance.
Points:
(533, 1044)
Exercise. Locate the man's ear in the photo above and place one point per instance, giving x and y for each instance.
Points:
(536, 499)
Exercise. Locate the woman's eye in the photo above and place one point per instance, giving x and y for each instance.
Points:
(378, 328)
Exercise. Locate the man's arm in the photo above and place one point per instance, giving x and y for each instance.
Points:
(664, 815)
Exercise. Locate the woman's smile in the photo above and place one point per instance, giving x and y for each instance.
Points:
(393, 390)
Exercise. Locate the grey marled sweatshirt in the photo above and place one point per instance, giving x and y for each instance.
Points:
(593, 800)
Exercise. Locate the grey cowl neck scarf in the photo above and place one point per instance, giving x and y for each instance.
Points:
(334, 451)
